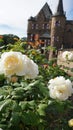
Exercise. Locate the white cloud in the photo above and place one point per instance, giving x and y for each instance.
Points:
(15, 13)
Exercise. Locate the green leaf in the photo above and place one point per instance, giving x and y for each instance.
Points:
(16, 85)
(41, 109)
(16, 107)
(3, 126)
(4, 104)
(31, 118)
(24, 105)
(1, 97)
(15, 118)
(33, 84)
(71, 69)
(17, 97)
(24, 84)
(18, 93)
(2, 77)
(43, 90)
(32, 104)
(5, 91)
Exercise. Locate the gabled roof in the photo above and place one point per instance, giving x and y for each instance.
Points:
(47, 11)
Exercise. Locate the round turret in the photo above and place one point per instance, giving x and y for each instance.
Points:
(57, 28)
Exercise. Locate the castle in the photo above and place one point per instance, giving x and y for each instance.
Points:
(51, 29)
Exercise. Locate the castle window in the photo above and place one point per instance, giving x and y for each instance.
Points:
(45, 41)
(69, 30)
(32, 37)
(48, 42)
(57, 23)
(53, 38)
(47, 26)
(36, 26)
(43, 26)
(57, 38)
(33, 26)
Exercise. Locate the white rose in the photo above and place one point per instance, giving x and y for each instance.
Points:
(31, 69)
(16, 63)
(1, 129)
(60, 89)
(67, 55)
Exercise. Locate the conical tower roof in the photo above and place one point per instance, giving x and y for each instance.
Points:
(60, 10)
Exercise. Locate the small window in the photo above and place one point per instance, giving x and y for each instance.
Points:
(36, 26)
(69, 30)
(57, 38)
(48, 42)
(53, 38)
(57, 23)
(47, 26)
(33, 26)
(43, 26)
(31, 37)
(45, 40)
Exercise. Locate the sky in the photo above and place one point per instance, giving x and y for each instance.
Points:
(14, 14)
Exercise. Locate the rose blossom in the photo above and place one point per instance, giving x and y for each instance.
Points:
(59, 88)
(70, 122)
(1, 129)
(67, 55)
(15, 63)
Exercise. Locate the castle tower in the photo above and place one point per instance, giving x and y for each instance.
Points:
(57, 28)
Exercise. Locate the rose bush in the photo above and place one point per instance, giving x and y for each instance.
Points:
(26, 103)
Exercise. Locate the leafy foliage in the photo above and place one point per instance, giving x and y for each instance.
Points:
(26, 105)
(10, 38)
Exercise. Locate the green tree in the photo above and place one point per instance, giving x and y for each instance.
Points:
(1, 42)
(10, 38)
